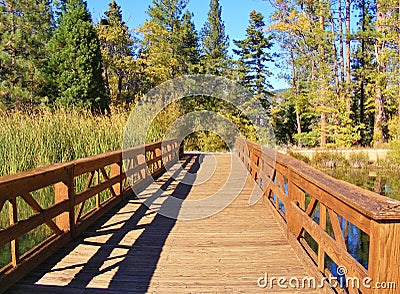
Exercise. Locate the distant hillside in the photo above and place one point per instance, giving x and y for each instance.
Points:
(279, 91)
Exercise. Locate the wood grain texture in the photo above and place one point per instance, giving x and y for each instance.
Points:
(135, 249)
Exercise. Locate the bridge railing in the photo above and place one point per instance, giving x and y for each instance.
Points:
(318, 211)
(67, 198)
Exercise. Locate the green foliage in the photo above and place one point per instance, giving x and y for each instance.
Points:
(170, 42)
(393, 156)
(253, 55)
(299, 156)
(309, 139)
(214, 42)
(283, 118)
(117, 53)
(25, 28)
(75, 60)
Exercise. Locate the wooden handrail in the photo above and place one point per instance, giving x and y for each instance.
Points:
(296, 191)
(69, 198)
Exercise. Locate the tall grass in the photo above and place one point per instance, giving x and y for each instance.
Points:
(39, 137)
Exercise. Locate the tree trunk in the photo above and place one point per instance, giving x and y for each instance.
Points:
(348, 64)
(296, 94)
(341, 51)
(323, 129)
(322, 80)
(335, 62)
(380, 133)
(362, 82)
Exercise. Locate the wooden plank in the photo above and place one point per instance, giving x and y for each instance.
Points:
(92, 191)
(322, 224)
(82, 166)
(367, 203)
(384, 255)
(24, 226)
(331, 247)
(38, 209)
(32, 180)
(337, 230)
(351, 214)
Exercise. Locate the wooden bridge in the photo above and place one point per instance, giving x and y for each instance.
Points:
(102, 236)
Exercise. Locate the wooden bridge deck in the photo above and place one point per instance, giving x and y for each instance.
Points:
(135, 249)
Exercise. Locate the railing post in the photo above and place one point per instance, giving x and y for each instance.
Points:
(181, 150)
(384, 255)
(116, 170)
(65, 191)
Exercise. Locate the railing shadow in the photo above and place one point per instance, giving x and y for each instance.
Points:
(136, 267)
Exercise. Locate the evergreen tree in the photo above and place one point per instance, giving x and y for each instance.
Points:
(75, 60)
(190, 45)
(253, 55)
(214, 42)
(170, 44)
(116, 48)
(25, 29)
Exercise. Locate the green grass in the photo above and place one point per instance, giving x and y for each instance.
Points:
(41, 137)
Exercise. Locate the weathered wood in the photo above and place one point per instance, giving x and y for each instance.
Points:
(92, 191)
(137, 249)
(384, 256)
(24, 226)
(362, 208)
(337, 230)
(32, 180)
(85, 165)
(62, 176)
(61, 194)
(13, 216)
(37, 209)
(321, 250)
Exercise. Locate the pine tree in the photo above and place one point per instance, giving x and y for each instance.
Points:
(25, 29)
(75, 61)
(214, 42)
(253, 55)
(190, 45)
(117, 53)
(170, 45)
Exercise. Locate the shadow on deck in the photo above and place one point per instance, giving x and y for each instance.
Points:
(134, 249)
(132, 266)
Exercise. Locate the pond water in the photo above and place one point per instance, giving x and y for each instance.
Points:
(382, 181)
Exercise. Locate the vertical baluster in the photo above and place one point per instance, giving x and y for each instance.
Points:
(322, 223)
(98, 194)
(116, 170)
(13, 214)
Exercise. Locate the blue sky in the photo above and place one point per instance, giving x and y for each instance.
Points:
(235, 14)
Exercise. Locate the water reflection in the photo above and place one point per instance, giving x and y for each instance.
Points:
(381, 181)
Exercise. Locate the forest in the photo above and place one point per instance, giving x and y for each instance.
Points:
(341, 59)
